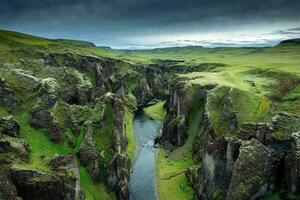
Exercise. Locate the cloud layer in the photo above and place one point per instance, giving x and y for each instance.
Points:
(118, 23)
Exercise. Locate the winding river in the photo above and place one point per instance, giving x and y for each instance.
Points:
(143, 184)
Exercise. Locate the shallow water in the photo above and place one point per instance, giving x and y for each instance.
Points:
(143, 184)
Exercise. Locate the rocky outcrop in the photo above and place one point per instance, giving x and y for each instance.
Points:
(292, 165)
(114, 113)
(41, 116)
(252, 174)
(9, 126)
(8, 97)
(13, 148)
(35, 185)
(119, 175)
(7, 188)
(179, 108)
(118, 172)
(88, 154)
(212, 179)
(77, 88)
(68, 165)
(262, 159)
(143, 92)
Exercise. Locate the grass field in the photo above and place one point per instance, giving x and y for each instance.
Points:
(172, 182)
(157, 111)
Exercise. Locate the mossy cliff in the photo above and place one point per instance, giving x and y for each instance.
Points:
(244, 146)
(66, 119)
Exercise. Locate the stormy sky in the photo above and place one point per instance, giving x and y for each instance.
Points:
(156, 23)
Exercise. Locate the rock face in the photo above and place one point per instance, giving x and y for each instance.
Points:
(88, 154)
(33, 185)
(118, 176)
(262, 159)
(251, 177)
(143, 93)
(65, 165)
(179, 105)
(8, 97)
(292, 164)
(12, 147)
(213, 177)
(7, 188)
(9, 126)
(41, 117)
(118, 172)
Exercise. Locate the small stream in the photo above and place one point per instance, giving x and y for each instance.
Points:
(143, 184)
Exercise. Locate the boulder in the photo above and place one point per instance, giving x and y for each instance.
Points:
(9, 126)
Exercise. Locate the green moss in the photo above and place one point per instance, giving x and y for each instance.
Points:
(195, 118)
(3, 112)
(281, 135)
(244, 187)
(157, 111)
(91, 190)
(219, 194)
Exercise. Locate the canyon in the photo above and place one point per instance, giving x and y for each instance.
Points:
(82, 122)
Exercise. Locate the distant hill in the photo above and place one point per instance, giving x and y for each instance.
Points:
(290, 42)
(14, 39)
(78, 43)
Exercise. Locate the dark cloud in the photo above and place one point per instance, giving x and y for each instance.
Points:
(103, 21)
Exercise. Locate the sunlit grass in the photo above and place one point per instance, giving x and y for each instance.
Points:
(157, 111)
(172, 182)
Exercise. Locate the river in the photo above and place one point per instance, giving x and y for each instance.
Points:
(143, 184)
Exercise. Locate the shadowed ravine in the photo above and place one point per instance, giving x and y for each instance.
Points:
(143, 174)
